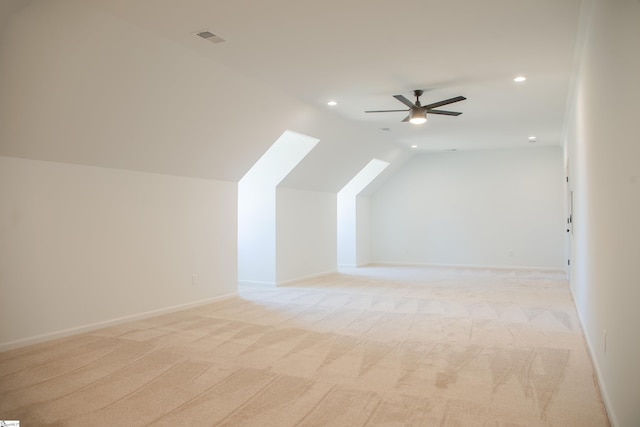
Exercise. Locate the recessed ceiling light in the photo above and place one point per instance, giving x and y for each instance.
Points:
(414, 146)
(332, 103)
(520, 79)
(532, 139)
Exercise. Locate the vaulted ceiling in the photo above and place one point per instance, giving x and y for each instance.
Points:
(127, 83)
(361, 52)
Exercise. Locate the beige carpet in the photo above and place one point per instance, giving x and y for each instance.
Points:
(377, 347)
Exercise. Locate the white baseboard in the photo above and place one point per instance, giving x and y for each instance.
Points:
(364, 264)
(304, 278)
(256, 283)
(11, 345)
(286, 282)
(613, 420)
(484, 267)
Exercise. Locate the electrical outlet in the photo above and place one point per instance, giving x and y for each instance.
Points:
(194, 279)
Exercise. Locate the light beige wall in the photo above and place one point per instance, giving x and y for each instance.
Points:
(82, 245)
(603, 149)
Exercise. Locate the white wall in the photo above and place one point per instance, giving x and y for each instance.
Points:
(353, 215)
(81, 245)
(487, 208)
(257, 207)
(305, 234)
(603, 150)
(256, 232)
(354, 229)
(346, 229)
(363, 230)
(104, 92)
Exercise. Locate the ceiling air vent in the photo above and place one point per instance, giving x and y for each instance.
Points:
(210, 37)
(386, 129)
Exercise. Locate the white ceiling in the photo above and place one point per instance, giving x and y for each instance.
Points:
(361, 52)
(127, 84)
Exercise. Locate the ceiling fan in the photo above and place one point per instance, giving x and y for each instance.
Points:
(417, 112)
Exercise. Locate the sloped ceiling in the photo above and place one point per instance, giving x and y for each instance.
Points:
(127, 84)
(361, 52)
(8, 8)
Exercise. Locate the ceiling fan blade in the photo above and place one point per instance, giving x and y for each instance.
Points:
(404, 100)
(446, 113)
(384, 111)
(445, 102)
(406, 119)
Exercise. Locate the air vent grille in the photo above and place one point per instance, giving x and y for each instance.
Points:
(210, 37)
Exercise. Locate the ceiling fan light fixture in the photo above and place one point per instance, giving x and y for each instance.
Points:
(418, 116)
